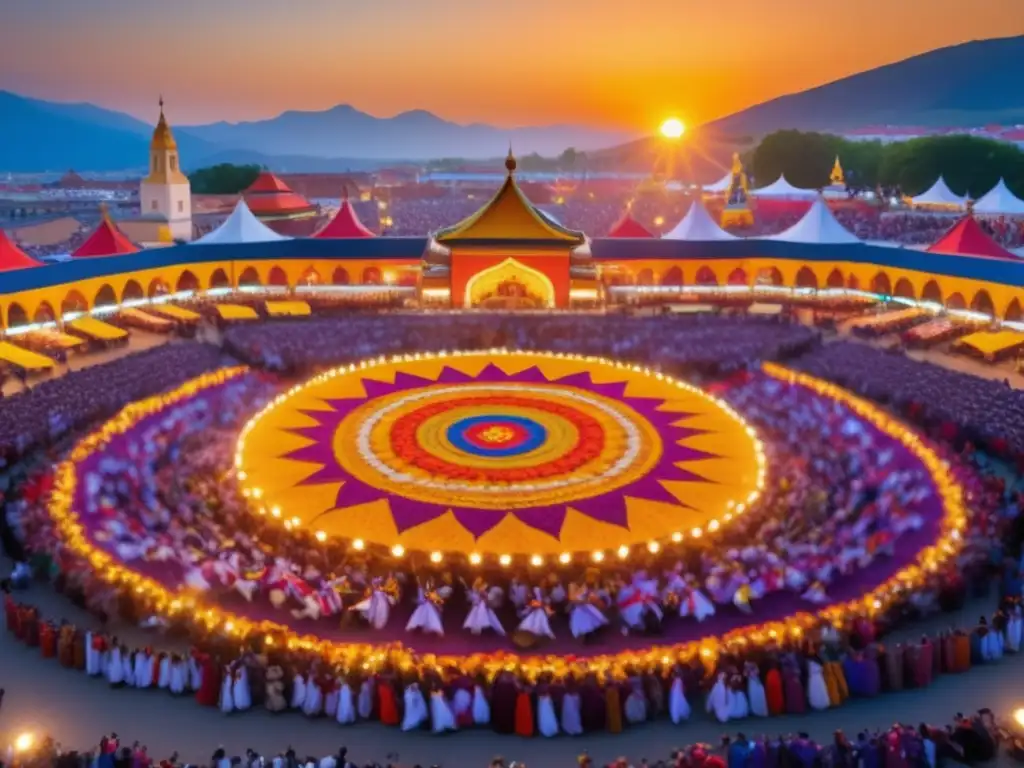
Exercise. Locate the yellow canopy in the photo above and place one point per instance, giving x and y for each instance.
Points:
(236, 312)
(509, 216)
(288, 308)
(23, 358)
(97, 329)
(145, 318)
(174, 312)
(56, 338)
(991, 343)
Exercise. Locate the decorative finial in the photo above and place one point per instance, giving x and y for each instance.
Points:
(104, 211)
(510, 160)
(161, 103)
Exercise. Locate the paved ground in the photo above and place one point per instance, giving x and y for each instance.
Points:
(42, 696)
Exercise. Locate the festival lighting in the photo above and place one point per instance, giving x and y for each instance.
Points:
(158, 599)
(436, 557)
(24, 742)
(536, 561)
(673, 128)
(1018, 716)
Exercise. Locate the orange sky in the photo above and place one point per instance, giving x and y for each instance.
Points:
(507, 62)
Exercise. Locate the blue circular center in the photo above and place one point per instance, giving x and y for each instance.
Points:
(496, 436)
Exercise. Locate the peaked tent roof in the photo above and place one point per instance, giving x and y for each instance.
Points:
(627, 226)
(269, 196)
(345, 223)
(967, 238)
(698, 225)
(819, 226)
(782, 189)
(240, 227)
(722, 185)
(509, 216)
(105, 240)
(939, 194)
(999, 199)
(12, 257)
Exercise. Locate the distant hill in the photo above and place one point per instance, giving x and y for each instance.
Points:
(344, 131)
(972, 84)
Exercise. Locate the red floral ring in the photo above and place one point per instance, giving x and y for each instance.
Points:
(589, 445)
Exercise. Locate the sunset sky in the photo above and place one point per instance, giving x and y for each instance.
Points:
(608, 63)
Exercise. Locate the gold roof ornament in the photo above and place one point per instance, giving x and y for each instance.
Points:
(837, 178)
(737, 164)
(163, 139)
(509, 215)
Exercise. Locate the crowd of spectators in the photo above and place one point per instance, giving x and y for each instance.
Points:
(701, 343)
(982, 410)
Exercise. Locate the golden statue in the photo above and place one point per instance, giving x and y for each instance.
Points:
(837, 179)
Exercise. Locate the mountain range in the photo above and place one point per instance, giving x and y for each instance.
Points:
(972, 84)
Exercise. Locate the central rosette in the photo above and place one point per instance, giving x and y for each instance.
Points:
(497, 446)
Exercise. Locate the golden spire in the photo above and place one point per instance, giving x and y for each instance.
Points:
(837, 179)
(737, 164)
(510, 161)
(163, 139)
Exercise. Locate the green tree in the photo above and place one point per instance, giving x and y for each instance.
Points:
(223, 179)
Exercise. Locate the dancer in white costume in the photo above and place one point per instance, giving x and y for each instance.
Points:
(442, 719)
(240, 689)
(637, 600)
(115, 666)
(678, 706)
(427, 615)
(1014, 627)
(547, 720)
(536, 616)
(817, 690)
(227, 694)
(298, 691)
(481, 613)
(415, 708)
(346, 714)
(376, 606)
(693, 602)
(720, 699)
(739, 707)
(755, 691)
(572, 719)
(481, 707)
(585, 610)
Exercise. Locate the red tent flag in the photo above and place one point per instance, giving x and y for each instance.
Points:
(106, 240)
(345, 223)
(627, 226)
(12, 257)
(967, 238)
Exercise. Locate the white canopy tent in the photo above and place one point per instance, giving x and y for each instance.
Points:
(783, 190)
(818, 226)
(939, 196)
(697, 225)
(240, 227)
(1000, 200)
(721, 186)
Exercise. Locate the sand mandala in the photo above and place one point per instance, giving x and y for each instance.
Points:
(500, 453)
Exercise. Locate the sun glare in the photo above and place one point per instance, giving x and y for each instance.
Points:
(673, 128)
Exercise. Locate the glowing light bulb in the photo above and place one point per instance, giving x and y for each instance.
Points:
(475, 558)
(436, 557)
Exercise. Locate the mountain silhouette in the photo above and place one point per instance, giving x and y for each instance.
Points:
(972, 84)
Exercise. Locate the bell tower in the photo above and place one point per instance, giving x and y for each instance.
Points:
(165, 194)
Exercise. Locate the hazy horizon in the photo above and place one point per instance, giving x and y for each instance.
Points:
(593, 64)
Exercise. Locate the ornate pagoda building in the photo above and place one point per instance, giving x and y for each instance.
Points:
(510, 255)
(275, 204)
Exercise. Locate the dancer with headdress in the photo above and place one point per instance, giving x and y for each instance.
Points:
(586, 606)
(375, 607)
(427, 616)
(536, 616)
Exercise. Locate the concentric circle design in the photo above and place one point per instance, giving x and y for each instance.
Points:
(496, 437)
(508, 453)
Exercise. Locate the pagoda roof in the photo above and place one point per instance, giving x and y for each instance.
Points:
(269, 196)
(105, 240)
(509, 215)
(967, 238)
(12, 257)
(627, 226)
(345, 223)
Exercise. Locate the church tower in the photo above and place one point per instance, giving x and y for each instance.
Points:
(165, 194)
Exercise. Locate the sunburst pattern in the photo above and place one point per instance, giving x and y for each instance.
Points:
(500, 452)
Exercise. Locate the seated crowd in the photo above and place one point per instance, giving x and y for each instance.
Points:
(699, 343)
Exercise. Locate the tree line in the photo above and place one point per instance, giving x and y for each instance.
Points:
(223, 179)
(969, 164)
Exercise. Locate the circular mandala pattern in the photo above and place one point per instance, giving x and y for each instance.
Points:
(507, 453)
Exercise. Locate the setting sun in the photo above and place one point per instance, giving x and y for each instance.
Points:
(673, 128)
